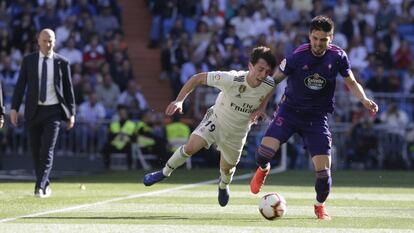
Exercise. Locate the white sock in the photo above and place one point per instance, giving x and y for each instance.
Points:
(319, 204)
(225, 179)
(177, 159)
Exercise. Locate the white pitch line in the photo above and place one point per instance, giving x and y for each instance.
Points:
(240, 177)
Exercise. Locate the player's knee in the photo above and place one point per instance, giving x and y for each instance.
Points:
(228, 170)
(188, 150)
(263, 155)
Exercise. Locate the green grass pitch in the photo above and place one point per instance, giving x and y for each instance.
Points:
(370, 201)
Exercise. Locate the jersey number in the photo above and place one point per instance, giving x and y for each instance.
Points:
(212, 126)
(279, 121)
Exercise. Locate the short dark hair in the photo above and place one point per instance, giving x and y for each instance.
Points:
(322, 23)
(265, 53)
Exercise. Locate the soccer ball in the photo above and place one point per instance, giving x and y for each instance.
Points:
(272, 206)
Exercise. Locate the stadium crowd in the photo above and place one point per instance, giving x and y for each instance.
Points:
(195, 36)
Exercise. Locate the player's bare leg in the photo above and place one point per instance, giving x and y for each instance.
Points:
(264, 154)
(194, 144)
(226, 176)
(322, 164)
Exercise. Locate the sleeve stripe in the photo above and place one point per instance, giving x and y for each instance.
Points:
(269, 82)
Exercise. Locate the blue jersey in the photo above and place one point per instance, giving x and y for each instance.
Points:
(311, 79)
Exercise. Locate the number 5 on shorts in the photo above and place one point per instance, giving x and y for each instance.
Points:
(279, 121)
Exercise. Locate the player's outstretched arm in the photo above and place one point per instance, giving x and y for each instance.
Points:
(189, 86)
(358, 92)
(260, 113)
(278, 76)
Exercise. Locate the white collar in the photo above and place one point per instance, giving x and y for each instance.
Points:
(41, 55)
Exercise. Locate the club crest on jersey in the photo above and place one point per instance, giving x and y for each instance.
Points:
(242, 88)
(315, 82)
(261, 98)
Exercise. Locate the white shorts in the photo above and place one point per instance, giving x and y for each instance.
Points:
(230, 145)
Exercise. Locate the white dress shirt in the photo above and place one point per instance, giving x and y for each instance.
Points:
(51, 97)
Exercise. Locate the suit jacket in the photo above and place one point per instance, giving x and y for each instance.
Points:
(29, 78)
(2, 112)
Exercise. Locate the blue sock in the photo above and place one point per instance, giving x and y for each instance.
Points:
(323, 185)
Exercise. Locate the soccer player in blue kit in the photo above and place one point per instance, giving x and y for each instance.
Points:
(311, 71)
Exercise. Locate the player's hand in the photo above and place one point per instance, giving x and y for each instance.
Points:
(370, 105)
(71, 123)
(173, 107)
(13, 117)
(257, 115)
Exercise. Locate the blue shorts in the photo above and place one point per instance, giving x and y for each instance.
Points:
(313, 128)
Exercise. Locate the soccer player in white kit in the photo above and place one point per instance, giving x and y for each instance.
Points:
(242, 100)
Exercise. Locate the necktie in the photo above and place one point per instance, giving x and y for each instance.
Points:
(43, 81)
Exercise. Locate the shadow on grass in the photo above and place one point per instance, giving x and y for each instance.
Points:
(156, 217)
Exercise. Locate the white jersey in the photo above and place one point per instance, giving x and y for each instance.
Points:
(237, 100)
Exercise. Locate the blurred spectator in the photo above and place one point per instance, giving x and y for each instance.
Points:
(380, 82)
(177, 133)
(91, 114)
(107, 93)
(363, 145)
(391, 38)
(409, 137)
(63, 32)
(395, 119)
(408, 79)
(63, 9)
(242, 23)
(132, 98)
(151, 137)
(48, 17)
(5, 41)
(341, 11)
(358, 54)
(83, 5)
(383, 55)
(369, 71)
(117, 43)
(105, 22)
(93, 55)
(213, 19)
(121, 69)
(394, 81)
(202, 35)
(353, 26)
(8, 78)
(402, 57)
(190, 68)
(24, 31)
(121, 135)
(384, 16)
(261, 22)
(73, 54)
(288, 14)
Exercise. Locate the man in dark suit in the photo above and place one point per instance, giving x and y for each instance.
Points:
(2, 112)
(49, 100)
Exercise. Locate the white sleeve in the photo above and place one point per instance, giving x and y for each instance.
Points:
(219, 79)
